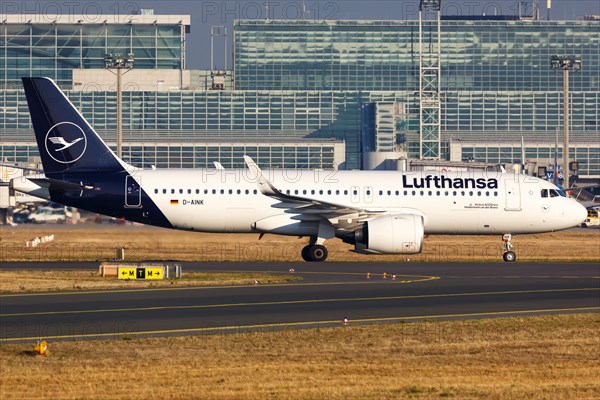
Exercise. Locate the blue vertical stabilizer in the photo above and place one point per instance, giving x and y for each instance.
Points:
(67, 143)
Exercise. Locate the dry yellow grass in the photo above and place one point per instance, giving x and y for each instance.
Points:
(546, 357)
(93, 242)
(47, 281)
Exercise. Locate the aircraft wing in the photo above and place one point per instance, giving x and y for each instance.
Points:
(342, 217)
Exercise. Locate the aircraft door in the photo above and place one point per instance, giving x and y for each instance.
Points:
(354, 194)
(512, 193)
(133, 193)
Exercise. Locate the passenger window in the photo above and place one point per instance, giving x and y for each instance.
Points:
(296, 191)
(345, 192)
(337, 192)
(248, 192)
(239, 191)
(304, 192)
(214, 191)
(312, 191)
(189, 191)
(172, 191)
(397, 193)
(437, 193)
(255, 191)
(205, 191)
(180, 191)
(381, 192)
(155, 191)
(389, 192)
(320, 192)
(422, 193)
(164, 191)
(222, 191)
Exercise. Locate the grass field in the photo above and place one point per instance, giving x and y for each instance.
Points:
(94, 242)
(543, 357)
(47, 281)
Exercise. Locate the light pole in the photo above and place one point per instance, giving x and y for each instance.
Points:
(565, 64)
(119, 62)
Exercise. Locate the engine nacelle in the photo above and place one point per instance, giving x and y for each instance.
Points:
(391, 234)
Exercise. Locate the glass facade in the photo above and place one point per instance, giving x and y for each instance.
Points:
(352, 85)
(217, 116)
(384, 55)
(54, 50)
(496, 82)
(543, 153)
(194, 154)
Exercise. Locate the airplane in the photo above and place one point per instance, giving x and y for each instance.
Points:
(379, 212)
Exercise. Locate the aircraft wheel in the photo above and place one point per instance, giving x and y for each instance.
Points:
(304, 253)
(315, 252)
(509, 256)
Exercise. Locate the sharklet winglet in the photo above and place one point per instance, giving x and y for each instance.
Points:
(263, 183)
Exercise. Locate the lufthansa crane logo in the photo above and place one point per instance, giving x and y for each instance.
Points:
(65, 142)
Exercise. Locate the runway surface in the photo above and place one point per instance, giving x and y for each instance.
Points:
(328, 293)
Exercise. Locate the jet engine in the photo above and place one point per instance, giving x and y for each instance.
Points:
(391, 234)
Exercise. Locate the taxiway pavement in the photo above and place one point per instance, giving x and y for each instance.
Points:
(328, 293)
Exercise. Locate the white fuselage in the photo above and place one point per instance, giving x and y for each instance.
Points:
(213, 200)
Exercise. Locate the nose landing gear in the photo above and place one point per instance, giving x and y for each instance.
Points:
(509, 255)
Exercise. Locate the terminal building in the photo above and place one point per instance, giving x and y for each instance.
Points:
(314, 94)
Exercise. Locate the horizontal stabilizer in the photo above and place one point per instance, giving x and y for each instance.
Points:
(56, 184)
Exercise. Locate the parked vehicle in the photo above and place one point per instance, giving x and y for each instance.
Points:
(47, 214)
(592, 218)
(21, 217)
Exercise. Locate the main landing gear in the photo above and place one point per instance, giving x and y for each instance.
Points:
(315, 250)
(509, 255)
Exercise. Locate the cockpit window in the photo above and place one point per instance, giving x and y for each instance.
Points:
(553, 193)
